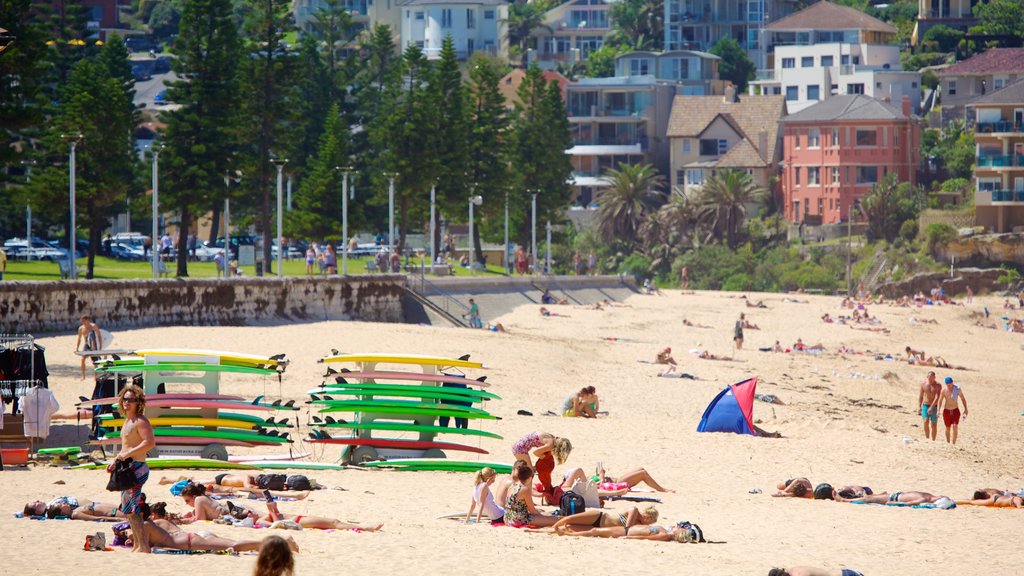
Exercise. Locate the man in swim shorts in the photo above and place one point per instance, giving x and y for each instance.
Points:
(949, 398)
(928, 399)
(137, 439)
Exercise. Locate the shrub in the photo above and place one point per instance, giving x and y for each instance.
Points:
(908, 230)
(1009, 276)
(929, 80)
(636, 265)
(738, 283)
(940, 233)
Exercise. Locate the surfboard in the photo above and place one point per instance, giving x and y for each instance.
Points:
(378, 409)
(254, 459)
(439, 464)
(254, 359)
(60, 450)
(370, 405)
(150, 397)
(399, 443)
(177, 462)
(186, 421)
(449, 390)
(250, 418)
(398, 426)
(415, 359)
(375, 394)
(219, 404)
(208, 435)
(289, 465)
(186, 367)
(184, 440)
(412, 376)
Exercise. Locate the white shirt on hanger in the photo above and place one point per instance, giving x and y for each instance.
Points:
(38, 405)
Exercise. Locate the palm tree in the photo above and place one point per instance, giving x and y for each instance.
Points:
(668, 232)
(525, 18)
(724, 200)
(632, 193)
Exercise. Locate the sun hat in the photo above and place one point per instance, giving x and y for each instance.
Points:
(949, 380)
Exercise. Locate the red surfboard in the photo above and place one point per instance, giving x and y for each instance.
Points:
(188, 440)
(397, 443)
(180, 396)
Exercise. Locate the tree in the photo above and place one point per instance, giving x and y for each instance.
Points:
(632, 193)
(638, 24)
(332, 26)
(488, 144)
(944, 38)
(1000, 17)
(201, 135)
(889, 204)
(734, 65)
(724, 199)
(317, 212)
(524, 19)
(455, 173)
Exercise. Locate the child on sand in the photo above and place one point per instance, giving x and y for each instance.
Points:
(483, 499)
(665, 357)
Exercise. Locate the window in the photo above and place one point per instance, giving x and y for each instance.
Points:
(419, 15)
(878, 84)
(835, 175)
(470, 46)
(844, 59)
(807, 62)
(998, 83)
(796, 139)
(796, 176)
(951, 87)
(827, 61)
(885, 136)
(821, 206)
(789, 62)
(792, 93)
(488, 14)
(835, 137)
(470, 19)
(854, 88)
(680, 177)
(713, 147)
(813, 92)
(639, 67)
(419, 44)
(867, 138)
(814, 138)
(867, 174)
(686, 146)
(694, 177)
(814, 176)
(446, 18)
(834, 90)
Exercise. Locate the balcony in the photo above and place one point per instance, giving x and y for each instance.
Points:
(767, 75)
(1008, 196)
(620, 140)
(1002, 126)
(1000, 161)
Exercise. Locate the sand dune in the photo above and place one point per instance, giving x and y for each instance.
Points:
(844, 421)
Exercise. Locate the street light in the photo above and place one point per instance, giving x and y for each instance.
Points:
(279, 162)
(391, 209)
(227, 216)
(533, 236)
(345, 170)
(154, 256)
(547, 256)
(849, 246)
(433, 212)
(504, 257)
(473, 201)
(72, 139)
(28, 164)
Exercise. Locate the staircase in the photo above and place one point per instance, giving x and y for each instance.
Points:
(551, 280)
(420, 289)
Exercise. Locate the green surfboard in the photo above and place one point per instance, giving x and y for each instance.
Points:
(373, 405)
(382, 409)
(295, 465)
(249, 418)
(425, 394)
(185, 367)
(331, 388)
(439, 464)
(225, 434)
(162, 463)
(62, 450)
(409, 428)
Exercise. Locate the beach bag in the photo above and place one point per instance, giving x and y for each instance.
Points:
(588, 490)
(571, 503)
(271, 481)
(122, 477)
(298, 482)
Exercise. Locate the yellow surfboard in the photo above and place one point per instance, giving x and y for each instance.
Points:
(417, 359)
(196, 422)
(233, 357)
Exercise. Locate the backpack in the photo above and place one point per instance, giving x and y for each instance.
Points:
(271, 481)
(298, 482)
(571, 503)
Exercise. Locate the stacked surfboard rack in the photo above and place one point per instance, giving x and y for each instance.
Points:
(199, 424)
(388, 402)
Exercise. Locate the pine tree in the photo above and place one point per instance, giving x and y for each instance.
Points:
(488, 143)
(317, 214)
(456, 175)
(201, 134)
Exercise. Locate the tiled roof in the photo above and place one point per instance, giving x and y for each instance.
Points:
(992, 61)
(691, 115)
(442, 2)
(742, 155)
(847, 107)
(1012, 94)
(829, 16)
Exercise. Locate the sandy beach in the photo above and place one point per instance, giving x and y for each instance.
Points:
(847, 419)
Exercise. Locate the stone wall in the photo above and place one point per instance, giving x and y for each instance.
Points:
(980, 280)
(956, 218)
(56, 306)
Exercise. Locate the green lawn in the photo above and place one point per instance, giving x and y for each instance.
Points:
(111, 269)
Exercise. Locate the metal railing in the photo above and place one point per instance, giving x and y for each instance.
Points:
(427, 289)
(1000, 126)
(1000, 161)
(1008, 195)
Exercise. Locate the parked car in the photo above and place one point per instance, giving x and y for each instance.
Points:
(161, 98)
(142, 71)
(162, 65)
(37, 249)
(294, 252)
(129, 252)
(141, 44)
(207, 252)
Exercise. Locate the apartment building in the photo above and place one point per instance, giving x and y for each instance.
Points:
(958, 14)
(999, 168)
(574, 30)
(694, 73)
(474, 25)
(978, 76)
(699, 24)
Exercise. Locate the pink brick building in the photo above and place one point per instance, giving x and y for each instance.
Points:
(835, 150)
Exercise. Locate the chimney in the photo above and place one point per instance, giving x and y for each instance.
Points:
(906, 106)
(730, 94)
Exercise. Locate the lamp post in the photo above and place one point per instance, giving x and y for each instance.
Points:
(29, 164)
(391, 209)
(473, 201)
(433, 235)
(227, 216)
(279, 162)
(547, 255)
(849, 247)
(154, 256)
(533, 235)
(504, 257)
(72, 139)
(345, 170)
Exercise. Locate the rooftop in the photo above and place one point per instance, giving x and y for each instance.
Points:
(748, 115)
(992, 61)
(1012, 94)
(848, 107)
(828, 16)
(450, 2)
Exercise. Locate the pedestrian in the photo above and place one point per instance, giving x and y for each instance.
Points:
(949, 399)
(190, 245)
(577, 264)
(330, 260)
(928, 399)
(3, 263)
(93, 339)
(474, 315)
(137, 439)
(219, 261)
(165, 244)
(970, 295)
(592, 264)
(737, 334)
(275, 558)
(684, 277)
(396, 262)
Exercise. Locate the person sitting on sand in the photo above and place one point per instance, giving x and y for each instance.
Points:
(160, 538)
(777, 347)
(626, 480)
(982, 498)
(914, 356)
(911, 498)
(519, 507)
(495, 327)
(811, 571)
(683, 532)
(483, 500)
(584, 403)
(665, 357)
(795, 488)
(547, 298)
(827, 319)
(75, 509)
(599, 519)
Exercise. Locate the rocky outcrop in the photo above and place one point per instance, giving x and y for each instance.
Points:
(985, 250)
(980, 280)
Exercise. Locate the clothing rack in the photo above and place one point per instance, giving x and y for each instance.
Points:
(18, 341)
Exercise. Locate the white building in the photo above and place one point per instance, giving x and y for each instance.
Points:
(699, 24)
(806, 74)
(474, 25)
(365, 13)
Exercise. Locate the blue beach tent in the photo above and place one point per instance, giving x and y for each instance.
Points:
(732, 410)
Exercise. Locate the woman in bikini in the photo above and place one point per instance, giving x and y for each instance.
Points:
(203, 507)
(180, 540)
(1000, 500)
(683, 532)
(600, 519)
(795, 488)
(627, 480)
(75, 509)
(314, 522)
(519, 507)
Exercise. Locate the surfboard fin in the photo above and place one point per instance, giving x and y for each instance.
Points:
(464, 357)
(115, 357)
(313, 398)
(317, 419)
(289, 404)
(278, 356)
(329, 372)
(270, 420)
(344, 370)
(83, 399)
(330, 420)
(340, 380)
(276, 402)
(334, 352)
(482, 379)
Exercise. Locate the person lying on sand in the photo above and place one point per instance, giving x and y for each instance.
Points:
(314, 522)
(683, 532)
(916, 320)
(231, 485)
(827, 319)
(160, 517)
(750, 326)
(206, 541)
(795, 488)
(914, 355)
(759, 304)
(811, 571)
(825, 491)
(75, 509)
(911, 498)
(705, 355)
(599, 519)
(799, 346)
(548, 313)
(692, 325)
(628, 479)
(982, 498)
(682, 375)
(611, 304)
